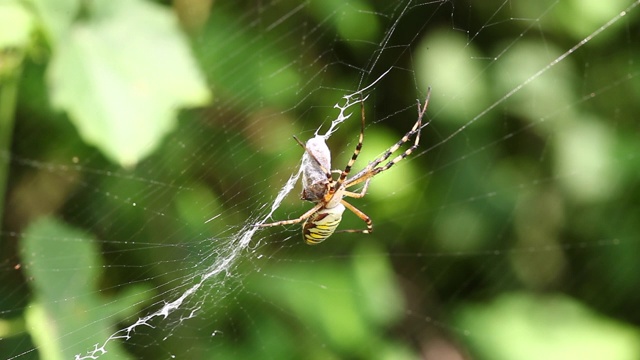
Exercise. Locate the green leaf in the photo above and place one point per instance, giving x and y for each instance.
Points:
(69, 316)
(328, 298)
(15, 24)
(381, 297)
(522, 326)
(56, 16)
(122, 73)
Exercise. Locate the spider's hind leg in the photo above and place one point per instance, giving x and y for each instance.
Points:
(364, 217)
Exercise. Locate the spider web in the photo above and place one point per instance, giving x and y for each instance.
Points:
(510, 231)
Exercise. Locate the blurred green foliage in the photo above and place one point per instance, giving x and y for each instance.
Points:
(62, 262)
(511, 233)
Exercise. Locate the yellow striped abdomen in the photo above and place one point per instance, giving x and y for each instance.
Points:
(322, 224)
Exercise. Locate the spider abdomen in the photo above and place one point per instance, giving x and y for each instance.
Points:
(322, 224)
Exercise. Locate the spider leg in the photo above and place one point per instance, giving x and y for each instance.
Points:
(372, 170)
(364, 217)
(304, 216)
(362, 192)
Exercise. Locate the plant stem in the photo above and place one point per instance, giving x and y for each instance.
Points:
(9, 76)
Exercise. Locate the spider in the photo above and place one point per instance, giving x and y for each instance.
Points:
(319, 186)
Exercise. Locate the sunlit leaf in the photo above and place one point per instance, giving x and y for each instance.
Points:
(122, 73)
(15, 24)
(57, 16)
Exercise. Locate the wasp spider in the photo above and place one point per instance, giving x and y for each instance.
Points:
(319, 186)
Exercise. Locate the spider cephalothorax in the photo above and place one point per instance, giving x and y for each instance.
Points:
(319, 186)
